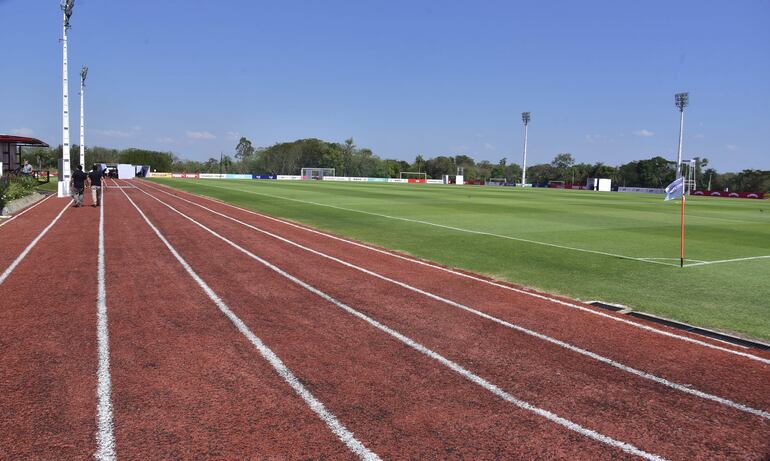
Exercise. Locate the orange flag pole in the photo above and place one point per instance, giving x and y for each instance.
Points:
(681, 256)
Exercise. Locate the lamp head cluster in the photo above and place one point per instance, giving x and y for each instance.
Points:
(67, 6)
(83, 74)
(682, 100)
(525, 117)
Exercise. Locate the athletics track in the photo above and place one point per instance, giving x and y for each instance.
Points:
(204, 331)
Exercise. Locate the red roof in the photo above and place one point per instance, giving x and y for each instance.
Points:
(24, 141)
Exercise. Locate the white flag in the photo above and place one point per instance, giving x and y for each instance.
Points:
(675, 189)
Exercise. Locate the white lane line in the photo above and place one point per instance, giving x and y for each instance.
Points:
(541, 336)
(721, 261)
(30, 246)
(316, 405)
(458, 229)
(626, 447)
(105, 440)
(490, 282)
(26, 210)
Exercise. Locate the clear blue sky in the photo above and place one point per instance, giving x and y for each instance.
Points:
(400, 77)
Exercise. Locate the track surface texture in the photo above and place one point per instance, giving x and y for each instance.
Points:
(173, 326)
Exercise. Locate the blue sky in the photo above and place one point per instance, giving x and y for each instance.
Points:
(400, 77)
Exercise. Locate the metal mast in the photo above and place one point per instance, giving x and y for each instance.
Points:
(525, 119)
(681, 100)
(83, 74)
(64, 175)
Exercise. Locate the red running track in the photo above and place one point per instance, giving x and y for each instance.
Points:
(405, 360)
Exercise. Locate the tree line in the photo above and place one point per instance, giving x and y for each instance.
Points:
(43, 158)
(350, 160)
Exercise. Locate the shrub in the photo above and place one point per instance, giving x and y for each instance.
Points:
(12, 190)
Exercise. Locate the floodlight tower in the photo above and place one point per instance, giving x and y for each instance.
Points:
(681, 100)
(83, 74)
(64, 175)
(525, 119)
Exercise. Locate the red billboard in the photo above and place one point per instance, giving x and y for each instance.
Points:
(717, 193)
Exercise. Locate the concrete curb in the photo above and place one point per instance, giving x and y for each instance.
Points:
(19, 204)
(732, 339)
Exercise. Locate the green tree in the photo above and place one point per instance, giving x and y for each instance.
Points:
(244, 150)
(562, 164)
(160, 161)
(419, 162)
(439, 166)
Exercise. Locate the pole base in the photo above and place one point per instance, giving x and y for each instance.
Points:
(63, 190)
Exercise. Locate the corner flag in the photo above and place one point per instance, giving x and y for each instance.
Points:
(673, 191)
(676, 189)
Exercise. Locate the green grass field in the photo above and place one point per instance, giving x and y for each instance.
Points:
(614, 247)
(50, 186)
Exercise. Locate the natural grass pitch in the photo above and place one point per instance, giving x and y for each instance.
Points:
(615, 247)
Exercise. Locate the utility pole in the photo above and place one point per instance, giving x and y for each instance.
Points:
(83, 73)
(64, 174)
(525, 119)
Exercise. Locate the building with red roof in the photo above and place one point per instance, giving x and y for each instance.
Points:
(10, 150)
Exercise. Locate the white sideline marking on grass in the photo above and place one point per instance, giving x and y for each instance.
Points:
(627, 447)
(24, 211)
(489, 234)
(527, 331)
(105, 441)
(459, 229)
(703, 263)
(32, 244)
(677, 259)
(490, 282)
(344, 435)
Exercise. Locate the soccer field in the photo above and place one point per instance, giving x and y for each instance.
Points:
(614, 247)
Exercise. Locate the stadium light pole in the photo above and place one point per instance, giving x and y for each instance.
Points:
(83, 74)
(681, 100)
(525, 119)
(64, 175)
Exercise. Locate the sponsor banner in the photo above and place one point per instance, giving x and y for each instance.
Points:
(263, 176)
(397, 180)
(717, 193)
(211, 176)
(237, 176)
(435, 181)
(377, 179)
(287, 177)
(336, 178)
(359, 179)
(645, 190)
(152, 174)
(416, 181)
(185, 175)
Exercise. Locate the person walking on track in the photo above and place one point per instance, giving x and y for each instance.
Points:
(78, 185)
(95, 181)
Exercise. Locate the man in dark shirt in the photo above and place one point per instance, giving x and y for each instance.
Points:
(77, 185)
(95, 181)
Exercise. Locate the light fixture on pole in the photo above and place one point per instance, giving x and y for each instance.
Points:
(64, 169)
(681, 100)
(83, 74)
(525, 119)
